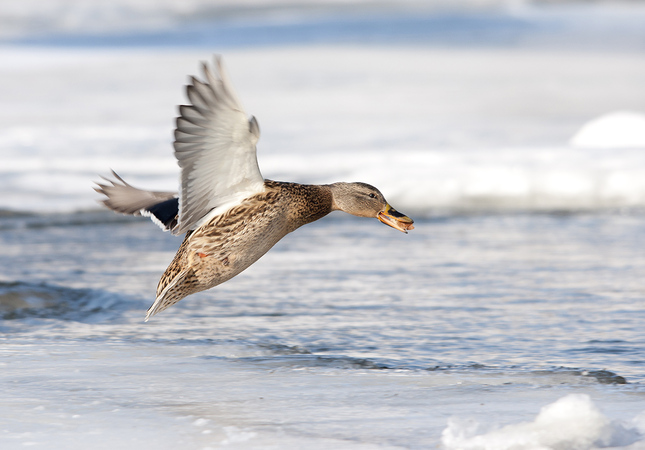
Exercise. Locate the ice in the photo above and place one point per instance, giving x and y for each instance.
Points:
(613, 130)
(573, 422)
(420, 124)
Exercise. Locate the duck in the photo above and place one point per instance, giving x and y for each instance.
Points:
(229, 214)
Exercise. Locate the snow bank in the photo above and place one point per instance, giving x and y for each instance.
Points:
(572, 423)
(433, 129)
(620, 129)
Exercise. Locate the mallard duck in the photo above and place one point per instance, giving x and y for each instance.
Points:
(230, 214)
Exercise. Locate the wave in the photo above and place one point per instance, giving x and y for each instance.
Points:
(20, 300)
(289, 357)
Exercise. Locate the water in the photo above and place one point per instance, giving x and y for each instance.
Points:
(480, 318)
(510, 318)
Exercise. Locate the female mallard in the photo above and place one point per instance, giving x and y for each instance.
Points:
(230, 214)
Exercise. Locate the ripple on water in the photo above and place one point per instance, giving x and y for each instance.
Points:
(19, 300)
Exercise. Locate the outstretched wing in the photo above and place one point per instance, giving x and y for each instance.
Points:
(215, 147)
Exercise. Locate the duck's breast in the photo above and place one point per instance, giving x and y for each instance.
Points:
(229, 244)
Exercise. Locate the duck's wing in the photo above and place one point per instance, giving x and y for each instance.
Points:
(122, 197)
(215, 147)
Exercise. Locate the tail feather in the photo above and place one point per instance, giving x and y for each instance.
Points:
(171, 294)
(122, 197)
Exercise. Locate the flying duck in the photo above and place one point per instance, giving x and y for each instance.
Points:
(229, 213)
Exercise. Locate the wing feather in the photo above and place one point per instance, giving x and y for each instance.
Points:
(192, 115)
(215, 148)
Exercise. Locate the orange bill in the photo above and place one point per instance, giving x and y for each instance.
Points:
(390, 216)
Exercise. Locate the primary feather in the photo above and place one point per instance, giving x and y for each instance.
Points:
(215, 147)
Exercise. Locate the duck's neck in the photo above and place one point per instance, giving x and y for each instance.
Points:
(306, 202)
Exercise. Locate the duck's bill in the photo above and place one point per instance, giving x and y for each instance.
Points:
(390, 216)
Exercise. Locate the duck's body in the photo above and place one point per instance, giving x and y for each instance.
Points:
(230, 215)
(231, 242)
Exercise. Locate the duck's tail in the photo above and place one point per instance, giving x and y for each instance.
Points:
(177, 282)
(171, 293)
(122, 197)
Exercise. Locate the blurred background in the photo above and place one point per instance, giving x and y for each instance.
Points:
(446, 105)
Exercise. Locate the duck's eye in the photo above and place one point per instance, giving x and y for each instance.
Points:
(372, 195)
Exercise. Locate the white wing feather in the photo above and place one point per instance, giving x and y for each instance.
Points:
(215, 147)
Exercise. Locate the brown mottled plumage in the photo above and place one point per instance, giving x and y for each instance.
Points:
(230, 243)
(230, 214)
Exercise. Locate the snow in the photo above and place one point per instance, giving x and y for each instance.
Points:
(417, 123)
(572, 422)
(619, 129)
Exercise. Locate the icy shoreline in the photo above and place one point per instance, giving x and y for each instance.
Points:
(414, 122)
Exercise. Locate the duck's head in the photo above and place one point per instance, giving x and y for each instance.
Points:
(363, 200)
